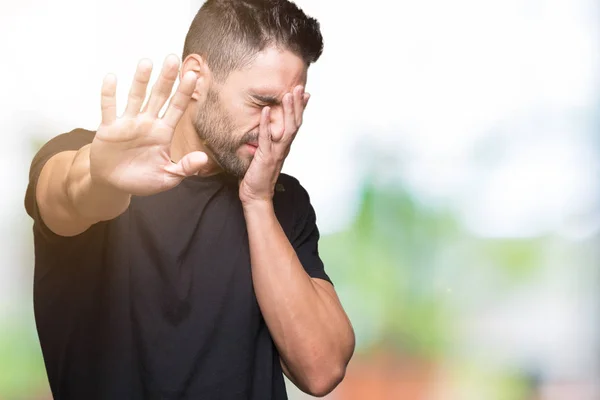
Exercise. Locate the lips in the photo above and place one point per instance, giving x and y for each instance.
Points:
(251, 148)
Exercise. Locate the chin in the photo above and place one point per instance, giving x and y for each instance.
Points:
(239, 170)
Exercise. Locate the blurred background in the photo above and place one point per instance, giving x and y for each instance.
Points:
(451, 150)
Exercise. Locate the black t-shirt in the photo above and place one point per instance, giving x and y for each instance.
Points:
(159, 303)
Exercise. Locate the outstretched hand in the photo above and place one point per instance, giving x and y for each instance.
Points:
(259, 181)
(132, 152)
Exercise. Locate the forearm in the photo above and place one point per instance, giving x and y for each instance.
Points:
(89, 198)
(308, 325)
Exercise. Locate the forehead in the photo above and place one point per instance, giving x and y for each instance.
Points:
(272, 72)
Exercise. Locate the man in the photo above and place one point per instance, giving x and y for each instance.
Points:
(173, 260)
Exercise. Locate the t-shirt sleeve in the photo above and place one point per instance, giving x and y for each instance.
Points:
(305, 236)
(73, 140)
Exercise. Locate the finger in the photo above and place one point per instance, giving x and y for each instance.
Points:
(289, 116)
(306, 98)
(137, 93)
(180, 100)
(191, 164)
(161, 90)
(108, 101)
(298, 104)
(264, 130)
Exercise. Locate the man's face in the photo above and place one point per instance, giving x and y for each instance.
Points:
(229, 118)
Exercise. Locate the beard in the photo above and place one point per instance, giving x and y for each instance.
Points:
(215, 128)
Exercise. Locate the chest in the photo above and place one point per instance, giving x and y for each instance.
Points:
(186, 273)
(188, 254)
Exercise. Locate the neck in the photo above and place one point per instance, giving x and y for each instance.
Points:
(186, 140)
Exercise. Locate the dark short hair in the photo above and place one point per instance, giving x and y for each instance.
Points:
(228, 34)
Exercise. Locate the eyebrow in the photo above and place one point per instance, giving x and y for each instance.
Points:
(269, 100)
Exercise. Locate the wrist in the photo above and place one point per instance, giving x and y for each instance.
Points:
(258, 206)
(105, 189)
(97, 182)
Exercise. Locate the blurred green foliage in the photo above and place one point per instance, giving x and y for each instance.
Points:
(21, 364)
(398, 264)
(386, 260)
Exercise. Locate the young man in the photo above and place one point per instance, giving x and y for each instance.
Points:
(173, 260)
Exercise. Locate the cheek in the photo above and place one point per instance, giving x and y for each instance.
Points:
(248, 119)
(238, 115)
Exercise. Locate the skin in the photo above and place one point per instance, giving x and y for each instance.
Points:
(207, 129)
(227, 114)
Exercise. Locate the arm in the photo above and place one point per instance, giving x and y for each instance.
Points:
(69, 200)
(308, 325)
(128, 155)
(306, 320)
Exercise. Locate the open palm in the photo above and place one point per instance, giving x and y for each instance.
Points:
(132, 152)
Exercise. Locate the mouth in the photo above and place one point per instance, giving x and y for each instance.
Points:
(251, 147)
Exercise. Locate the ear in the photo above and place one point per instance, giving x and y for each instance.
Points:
(196, 63)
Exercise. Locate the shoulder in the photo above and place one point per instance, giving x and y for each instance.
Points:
(291, 200)
(69, 141)
(73, 140)
(289, 189)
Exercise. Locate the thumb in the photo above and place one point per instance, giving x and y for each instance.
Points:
(189, 165)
